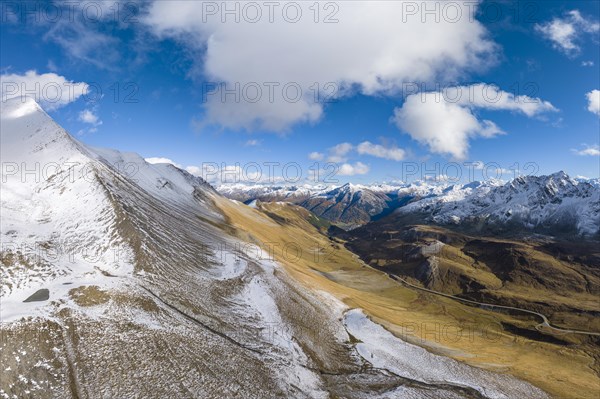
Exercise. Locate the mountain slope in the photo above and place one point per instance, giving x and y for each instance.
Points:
(348, 204)
(54, 208)
(159, 237)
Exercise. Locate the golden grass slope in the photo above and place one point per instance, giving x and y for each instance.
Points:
(444, 326)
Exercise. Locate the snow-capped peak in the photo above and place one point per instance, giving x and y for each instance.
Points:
(553, 203)
(57, 197)
(17, 107)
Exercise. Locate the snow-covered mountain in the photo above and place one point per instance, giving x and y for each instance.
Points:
(349, 204)
(59, 199)
(270, 193)
(103, 253)
(552, 204)
(124, 279)
(544, 203)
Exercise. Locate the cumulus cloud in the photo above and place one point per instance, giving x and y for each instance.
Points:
(90, 117)
(218, 174)
(588, 150)
(50, 90)
(339, 152)
(444, 127)
(489, 167)
(488, 96)
(566, 32)
(357, 168)
(316, 156)
(439, 178)
(393, 153)
(372, 49)
(445, 121)
(593, 98)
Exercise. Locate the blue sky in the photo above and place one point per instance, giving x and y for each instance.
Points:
(151, 62)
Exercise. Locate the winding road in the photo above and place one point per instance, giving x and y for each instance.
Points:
(544, 324)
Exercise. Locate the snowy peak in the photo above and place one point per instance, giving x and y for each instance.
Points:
(65, 197)
(347, 192)
(18, 107)
(552, 183)
(27, 129)
(554, 204)
(52, 202)
(163, 181)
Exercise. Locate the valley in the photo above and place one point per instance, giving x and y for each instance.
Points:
(477, 336)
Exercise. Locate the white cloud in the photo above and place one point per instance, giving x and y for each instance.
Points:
(339, 152)
(587, 63)
(566, 32)
(593, 98)
(379, 151)
(194, 170)
(490, 167)
(446, 122)
(444, 127)
(358, 168)
(489, 96)
(89, 116)
(478, 165)
(78, 30)
(217, 174)
(50, 90)
(588, 150)
(316, 156)
(77, 27)
(372, 49)
(155, 160)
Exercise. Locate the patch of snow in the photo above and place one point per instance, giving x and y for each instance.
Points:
(385, 351)
(259, 300)
(230, 266)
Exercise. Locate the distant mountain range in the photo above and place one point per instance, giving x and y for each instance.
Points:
(554, 204)
(535, 203)
(349, 205)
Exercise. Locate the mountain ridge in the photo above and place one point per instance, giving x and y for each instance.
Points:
(354, 205)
